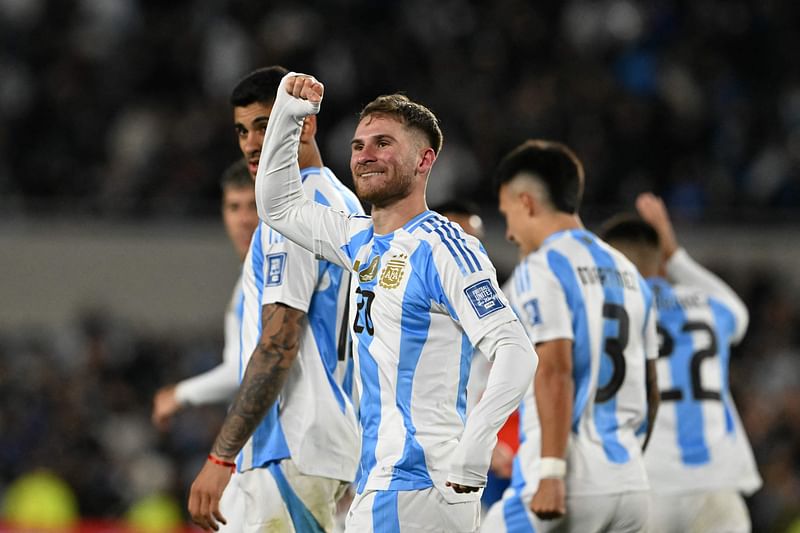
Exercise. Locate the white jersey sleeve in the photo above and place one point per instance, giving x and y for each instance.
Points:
(684, 270)
(221, 382)
(543, 310)
(290, 275)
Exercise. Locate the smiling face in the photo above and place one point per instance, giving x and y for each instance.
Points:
(250, 122)
(384, 159)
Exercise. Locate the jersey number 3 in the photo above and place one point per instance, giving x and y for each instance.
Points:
(614, 347)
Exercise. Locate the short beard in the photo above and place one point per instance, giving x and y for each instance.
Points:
(389, 194)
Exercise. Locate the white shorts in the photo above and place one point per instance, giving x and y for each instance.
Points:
(722, 511)
(411, 511)
(624, 512)
(278, 498)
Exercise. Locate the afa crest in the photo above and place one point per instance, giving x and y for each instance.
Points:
(392, 273)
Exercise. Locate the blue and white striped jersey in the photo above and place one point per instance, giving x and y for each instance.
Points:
(577, 287)
(698, 442)
(313, 421)
(422, 297)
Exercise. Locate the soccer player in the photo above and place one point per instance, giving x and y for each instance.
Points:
(699, 460)
(220, 383)
(590, 315)
(291, 432)
(424, 295)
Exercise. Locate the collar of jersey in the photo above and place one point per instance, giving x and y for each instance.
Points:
(575, 232)
(409, 226)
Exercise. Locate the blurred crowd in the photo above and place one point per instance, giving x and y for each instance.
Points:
(120, 106)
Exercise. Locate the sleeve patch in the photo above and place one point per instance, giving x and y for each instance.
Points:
(483, 298)
(532, 307)
(275, 265)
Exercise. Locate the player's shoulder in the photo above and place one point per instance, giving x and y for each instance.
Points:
(446, 239)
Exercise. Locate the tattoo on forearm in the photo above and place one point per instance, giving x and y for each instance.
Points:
(264, 378)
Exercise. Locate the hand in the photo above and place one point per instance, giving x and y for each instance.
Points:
(652, 209)
(302, 94)
(462, 488)
(549, 502)
(205, 494)
(502, 460)
(165, 404)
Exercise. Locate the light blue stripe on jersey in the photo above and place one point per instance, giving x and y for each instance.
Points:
(411, 468)
(688, 412)
(515, 515)
(370, 405)
(605, 413)
(467, 353)
(357, 241)
(385, 518)
(725, 327)
(582, 357)
(269, 442)
(322, 314)
(302, 519)
(457, 237)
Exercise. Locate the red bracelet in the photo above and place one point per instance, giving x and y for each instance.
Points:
(220, 462)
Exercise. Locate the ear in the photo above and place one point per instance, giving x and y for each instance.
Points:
(309, 128)
(530, 202)
(426, 161)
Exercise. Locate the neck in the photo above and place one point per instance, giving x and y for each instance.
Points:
(556, 222)
(393, 217)
(308, 155)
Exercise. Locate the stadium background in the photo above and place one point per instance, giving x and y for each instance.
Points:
(115, 126)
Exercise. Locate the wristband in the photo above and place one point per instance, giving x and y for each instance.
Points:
(552, 468)
(220, 462)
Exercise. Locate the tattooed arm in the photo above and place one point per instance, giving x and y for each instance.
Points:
(262, 382)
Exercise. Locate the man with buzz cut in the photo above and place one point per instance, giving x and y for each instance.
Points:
(590, 315)
(699, 460)
(423, 297)
(291, 434)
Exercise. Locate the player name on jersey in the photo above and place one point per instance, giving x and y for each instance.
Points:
(608, 277)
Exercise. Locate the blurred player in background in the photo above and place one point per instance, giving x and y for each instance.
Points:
(699, 460)
(424, 295)
(219, 384)
(291, 429)
(590, 315)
